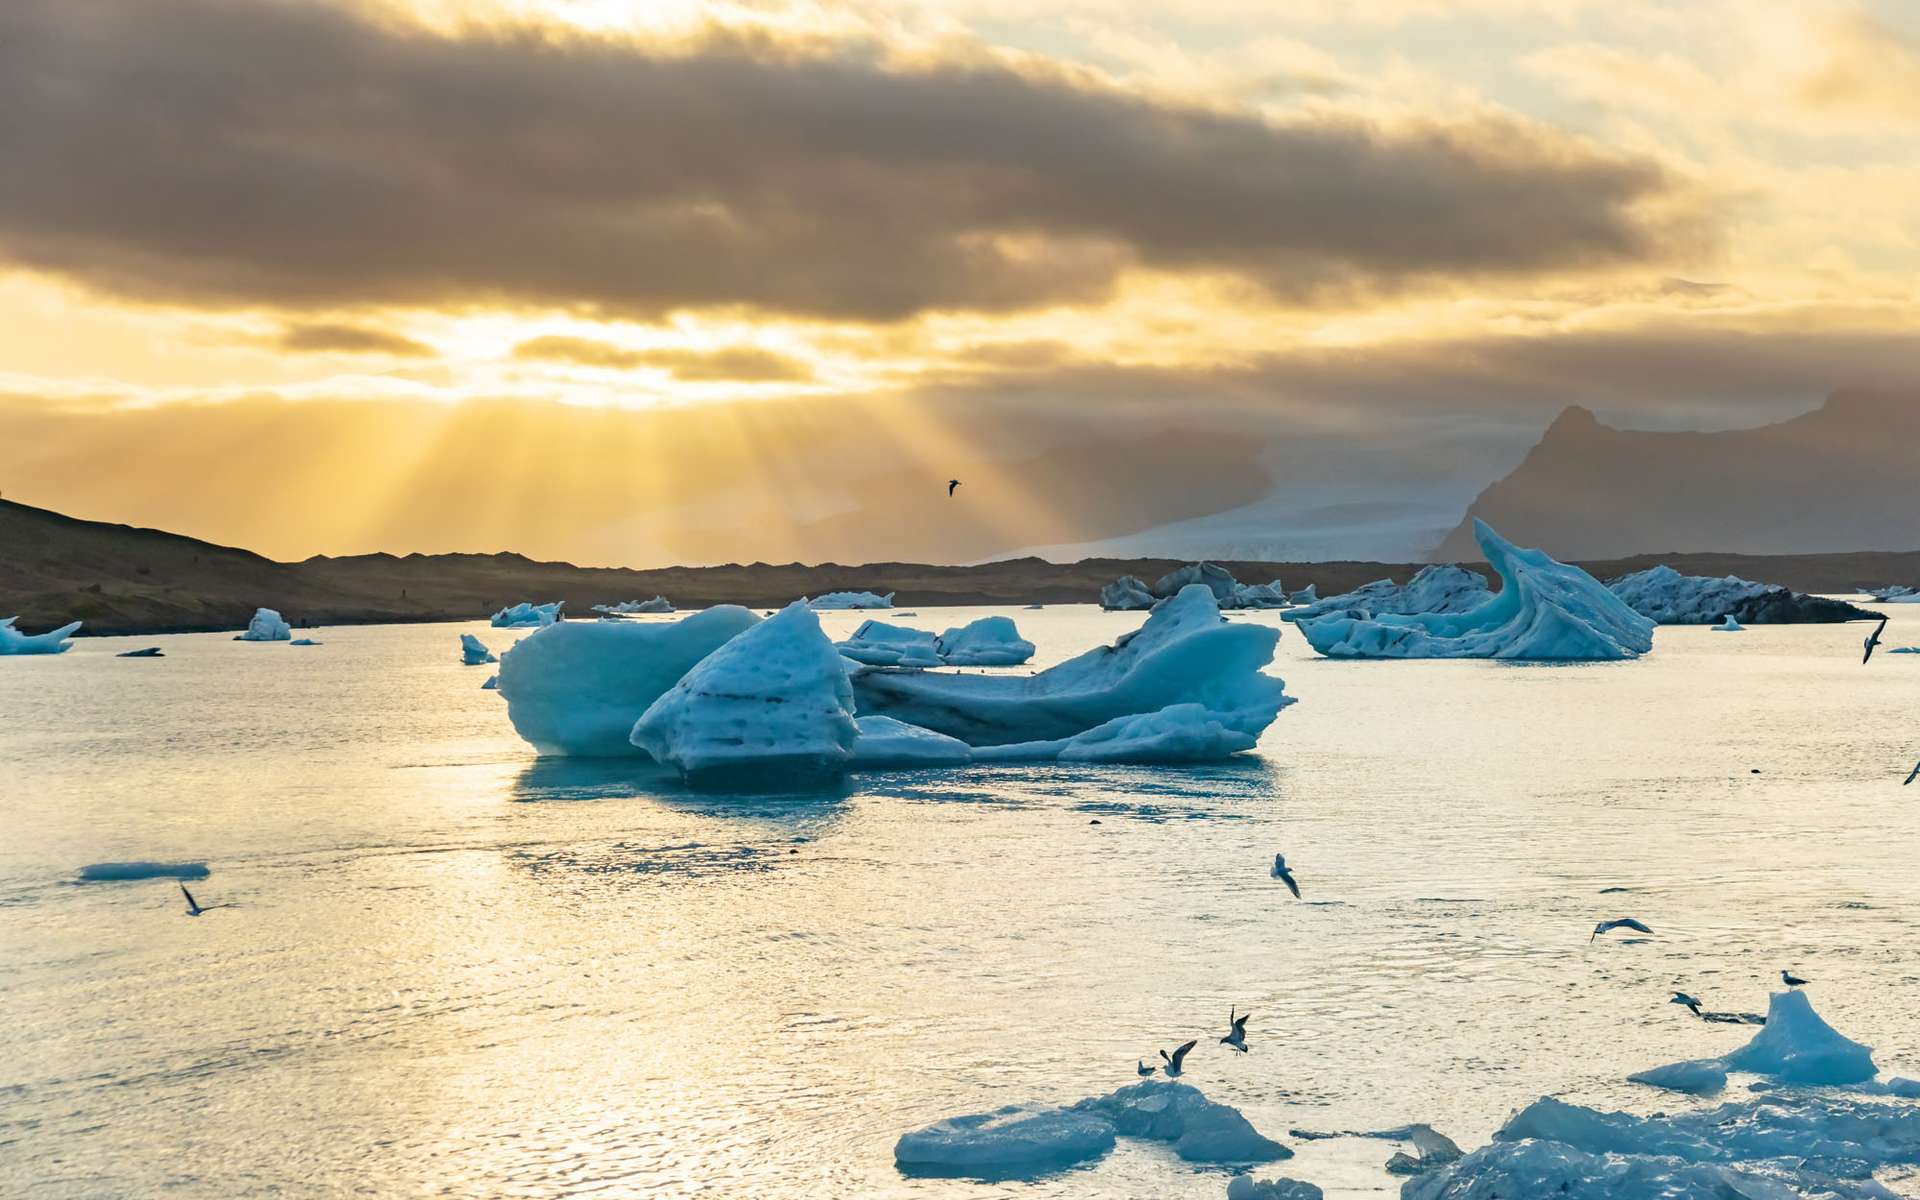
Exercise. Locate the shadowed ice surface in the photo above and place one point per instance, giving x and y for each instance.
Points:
(454, 969)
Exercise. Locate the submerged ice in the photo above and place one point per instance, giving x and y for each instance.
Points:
(55, 641)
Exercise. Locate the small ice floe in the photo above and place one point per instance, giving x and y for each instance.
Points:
(987, 642)
(1701, 1077)
(1199, 1129)
(266, 626)
(1310, 594)
(1905, 650)
(1035, 607)
(844, 600)
(879, 644)
(525, 615)
(1007, 1142)
(1431, 1149)
(659, 604)
(55, 641)
(1246, 1187)
(304, 642)
(1794, 1046)
(474, 652)
(492, 684)
(1729, 625)
(1894, 594)
(117, 872)
(149, 652)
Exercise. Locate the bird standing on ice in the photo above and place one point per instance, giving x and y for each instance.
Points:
(1285, 876)
(1238, 1038)
(1178, 1056)
(952, 484)
(1873, 639)
(1142, 1069)
(1792, 980)
(1619, 923)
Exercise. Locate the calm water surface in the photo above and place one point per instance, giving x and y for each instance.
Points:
(456, 970)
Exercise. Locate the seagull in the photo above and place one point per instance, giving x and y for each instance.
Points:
(1238, 1038)
(1689, 1001)
(1792, 980)
(1178, 1056)
(1911, 775)
(1285, 876)
(1873, 639)
(952, 484)
(1619, 923)
(1142, 1069)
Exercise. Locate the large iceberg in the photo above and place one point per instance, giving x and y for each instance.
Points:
(1670, 598)
(879, 644)
(576, 688)
(987, 642)
(12, 641)
(839, 600)
(266, 626)
(528, 616)
(474, 652)
(1435, 589)
(1185, 653)
(1545, 610)
(771, 705)
(1794, 1046)
(1126, 593)
(659, 604)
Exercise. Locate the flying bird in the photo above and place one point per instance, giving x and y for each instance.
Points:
(1620, 923)
(1238, 1038)
(1285, 876)
(1178, 1056)
(1141, 1068)
(1792, 980)
(1689, 1001)
(1873, 639)
(952, 484)
(1911, 775)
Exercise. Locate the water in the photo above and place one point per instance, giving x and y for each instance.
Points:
(453, 970)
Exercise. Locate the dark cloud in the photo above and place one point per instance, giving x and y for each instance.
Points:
(737, 364)
(239, 152)
(322, 338)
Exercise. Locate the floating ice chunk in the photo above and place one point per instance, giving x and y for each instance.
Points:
(528, 616)
(1261, 595)
(1216, 579)
(1783, 1124)
(1527, 1169)
(304, 642)
(1011, 1141)
(1032, 607)
(1897, 593)
(55, 641)
(987, 642)
(1435, 589)
(772, 704)
(879, 644)
(1126, 593)
(576, 688)
(266, 626)
(1310, 594)
(1185, 653)
(115, 872)
(1696, 1077)
(840, 600)
(1246, 1187)
(1431, 1149)
(1545, 610)
(1670, 598)
(149, 652)
(1178, 733)
(492, 684)
(1729, 625)
(659, 604)
(885, 742)
(1796, 1046)
(1200, 1129)
(1905, 650)
(474, 652)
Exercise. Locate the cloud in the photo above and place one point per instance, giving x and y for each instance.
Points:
(739, 364)
(323, 338)
(235, 153)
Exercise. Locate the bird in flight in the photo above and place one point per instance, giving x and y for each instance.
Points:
(1792, 980)
(1873, 639)
(194, 907)
(1238, 1038)
(1178, 1056)
(1285, 876)
(1911, 775)
(1682, 998)
(1620, 923)
(952, 484)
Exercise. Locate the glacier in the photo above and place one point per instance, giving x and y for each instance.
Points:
(474, 652)
(1670, 598)
(659, 604)
(1545, 611)
(879, 644)
(266, 626)
(577, 688)
(1435, 589)
(1126, 593)
(987, 642)
(772, 705)
(843, 600)
(56, 641)
(1185, 653)
(528, 616)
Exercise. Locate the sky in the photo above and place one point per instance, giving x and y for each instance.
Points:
(634, 283)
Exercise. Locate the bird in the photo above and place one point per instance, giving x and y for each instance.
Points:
(1285, 876)
(1618, 923)
(1873, 639)
(1238, 1038)
(1689, 1001)
(1142, 1069)
(1178, 1056)
(1792, 980)
(952, 484)
(1911, 775)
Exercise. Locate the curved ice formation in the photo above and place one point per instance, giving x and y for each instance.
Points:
(474, 652)
(772, 704)
(1185, 653)
(576, 688)
(879, 644)
(1729, 625)
(527, 616)
(116, 872)
(56, 641)
(1246, 1187)
(1200, 1129)
(1011, 1140)
(841, 600)
(885, 742)
(987, 642)
(659, 604)
(1671, 598)
(1545, 610)
(1696, 1077)
(1435, 589)
(266, 626)
(1126, 593)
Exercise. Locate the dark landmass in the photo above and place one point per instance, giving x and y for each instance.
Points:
(120, 579)
(1846, 474)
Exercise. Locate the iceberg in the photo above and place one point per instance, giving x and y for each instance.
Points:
(474, 652)
(1729, 625)
(773, 704)
(1670, 598)
(659, 604)
(149, 652)
(1261, 595)
(1199, 1129)
(577, 687)
(492, 684)
(118, 872)
(879, 644)
(1545, 610)
(1309, 594)
(528, 616)
(1246, 1187)
(1435, 589)
(56, 641)
(1794, 1046)
(885, 742)
(1228, 592)
(1897, 593)
(1126, 593)
(1431, 1149)
(987, 642)
(841, 600)
(1017, 1139)
(1185, 653)
(1696, 1077)
(266, 626)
